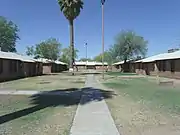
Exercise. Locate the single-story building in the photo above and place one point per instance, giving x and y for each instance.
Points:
(14, 66)
(58, 66)
(46, 65)
(128, 67)
(81, 65)
(165, 65)
(91, 65)
(98, 65)
(50, 66)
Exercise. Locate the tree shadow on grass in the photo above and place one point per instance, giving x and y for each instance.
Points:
(84, 73)
(89, 73)
(66, 97)
(51, 74)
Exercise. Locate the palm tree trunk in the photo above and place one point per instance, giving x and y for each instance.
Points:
(71, 45)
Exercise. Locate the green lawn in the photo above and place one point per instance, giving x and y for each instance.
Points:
(47, 82)
(120, 74)
(140, 89)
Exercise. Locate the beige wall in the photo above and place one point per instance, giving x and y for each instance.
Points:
(100, 67)
(81, 66)
(46, 69)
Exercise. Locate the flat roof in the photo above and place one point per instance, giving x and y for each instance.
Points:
(43, 60)
(15, 56)
(162, 56)
(120, 62)
(60, 62)
(89, 63)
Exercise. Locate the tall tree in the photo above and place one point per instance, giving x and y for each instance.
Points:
(98, 58)
(128, 45)
(113, 52)
(30, 51)
(8, 35)
(49, 49)
(71, 10)
(66, 54)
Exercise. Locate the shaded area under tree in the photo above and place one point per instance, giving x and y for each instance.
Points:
(66, 97)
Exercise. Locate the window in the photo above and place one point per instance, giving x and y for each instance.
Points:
(143, 66)
(12, 66)
(1, 66)
(172, 62)
(161, 65)
(139, 65)
(20, 65)
(164, 65)
(15, 66)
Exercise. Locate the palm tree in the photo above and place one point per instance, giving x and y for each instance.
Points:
(71, 10)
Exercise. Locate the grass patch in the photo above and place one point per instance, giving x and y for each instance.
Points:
(140, 89)
(120, 74)
(46, 83)
(41, 120)
(141, 106)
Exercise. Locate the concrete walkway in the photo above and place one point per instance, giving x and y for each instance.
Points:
(31, 92)
(92, 115)
(17, 92)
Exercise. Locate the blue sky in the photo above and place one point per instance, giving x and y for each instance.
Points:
(158, 21)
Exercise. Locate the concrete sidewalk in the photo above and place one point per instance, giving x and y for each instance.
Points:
(92, 115)
(17, 92)
(31, 92)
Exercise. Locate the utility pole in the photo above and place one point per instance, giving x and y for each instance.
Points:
(86, 54)
(102, 4)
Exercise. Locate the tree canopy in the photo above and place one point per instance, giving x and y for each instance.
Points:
(70, 8)
(84, 59)
(30, 51)
(128, 45)
(49, 49)
(8, 35)
(107, 57)
(66, 55)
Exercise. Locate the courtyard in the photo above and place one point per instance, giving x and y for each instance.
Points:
(141, 105)
(41, 114)
(138, 105)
